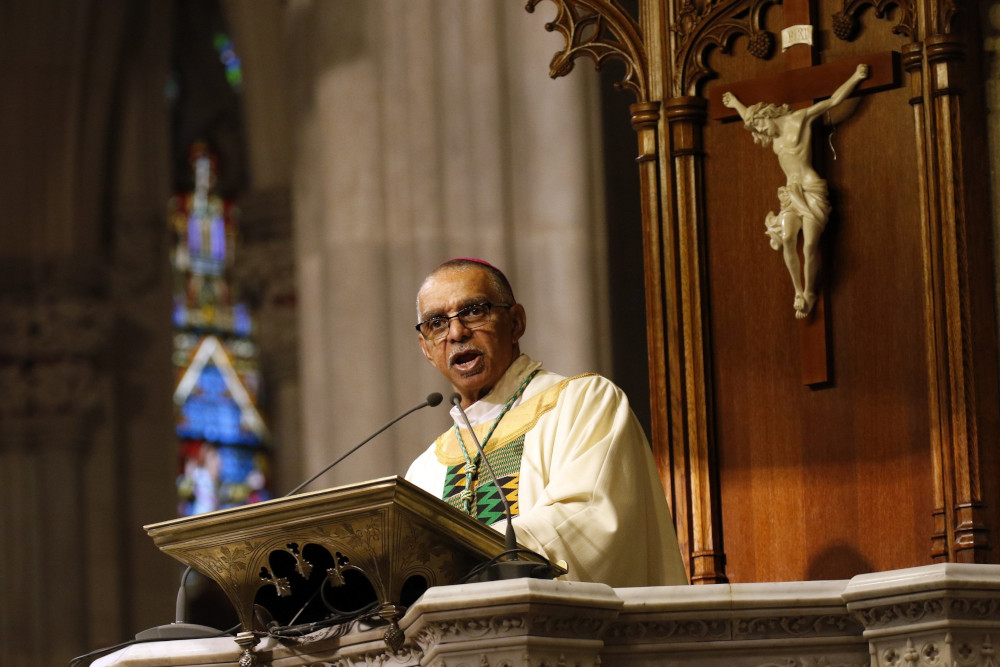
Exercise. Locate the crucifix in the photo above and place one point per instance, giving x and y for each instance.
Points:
(804, 203)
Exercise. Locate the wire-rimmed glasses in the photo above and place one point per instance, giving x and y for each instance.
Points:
(471, 317)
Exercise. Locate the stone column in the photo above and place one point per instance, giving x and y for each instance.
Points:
(50, 394)
(427, 130)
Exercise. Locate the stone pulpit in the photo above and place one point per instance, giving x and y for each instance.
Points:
(937, 615)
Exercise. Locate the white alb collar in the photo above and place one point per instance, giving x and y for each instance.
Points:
(487, 408)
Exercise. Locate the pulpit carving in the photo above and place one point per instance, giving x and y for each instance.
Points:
(797, 626)
(889, 615)
(281, 585)
(845, 22)
(600, 30)
(335, 574)
(567, 627)
(716, 24)
(302, 566)
(658, 630)
(978, 608)
(813, 662)
(331, 554)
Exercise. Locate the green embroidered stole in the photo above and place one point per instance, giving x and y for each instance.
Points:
(484, 499)
(461, 486)
(504, 443)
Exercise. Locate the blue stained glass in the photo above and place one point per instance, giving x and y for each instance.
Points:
(218, 238)
(240, 478)
(210, 413)
(206, 266)
(213, 478)
(194, 236)
(224, 460)
(235, 464)
(180, 313)
(241, 320)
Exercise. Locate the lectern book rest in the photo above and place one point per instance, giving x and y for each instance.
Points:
(380, 543)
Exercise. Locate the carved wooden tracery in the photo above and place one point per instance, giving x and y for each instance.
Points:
(717, 25)
(845, 22)
(600, 30)
(666, 55)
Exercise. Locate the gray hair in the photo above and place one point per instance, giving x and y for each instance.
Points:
(498, 281)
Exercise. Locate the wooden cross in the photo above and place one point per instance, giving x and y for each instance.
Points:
(800, 85)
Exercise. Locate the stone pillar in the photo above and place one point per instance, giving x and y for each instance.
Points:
(426, 130)
(50, 395)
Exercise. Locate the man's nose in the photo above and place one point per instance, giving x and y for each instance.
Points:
(457, 330)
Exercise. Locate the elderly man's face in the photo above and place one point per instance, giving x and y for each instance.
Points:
(472, 360)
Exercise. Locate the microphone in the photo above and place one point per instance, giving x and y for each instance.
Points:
(513, 568)
(431, 401)
(179, 629)
(510, 539)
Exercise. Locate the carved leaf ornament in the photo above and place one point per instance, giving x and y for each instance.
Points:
(715, 25)
(600, 30)
(845, 22)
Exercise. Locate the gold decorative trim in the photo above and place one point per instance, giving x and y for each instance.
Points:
(515, 423)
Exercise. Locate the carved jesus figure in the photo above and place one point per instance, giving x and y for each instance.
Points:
(805, 207)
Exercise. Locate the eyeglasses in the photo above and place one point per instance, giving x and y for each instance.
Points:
(471, 317)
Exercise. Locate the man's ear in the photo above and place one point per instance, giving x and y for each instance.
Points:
(518, 320)
(423, 348)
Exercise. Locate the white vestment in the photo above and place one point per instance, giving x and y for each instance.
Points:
(588, 491)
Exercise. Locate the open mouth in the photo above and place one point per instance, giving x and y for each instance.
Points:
(466, 361)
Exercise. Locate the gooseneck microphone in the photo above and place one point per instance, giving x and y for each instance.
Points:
(537, 567)
(510, 539)
(431, 401)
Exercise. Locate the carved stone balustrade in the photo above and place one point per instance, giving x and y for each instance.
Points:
(791, 624)
(940, 615)
(947, 614)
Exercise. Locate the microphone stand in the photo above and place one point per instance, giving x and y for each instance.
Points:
(179, 629)
(432, 400)
(513, 568)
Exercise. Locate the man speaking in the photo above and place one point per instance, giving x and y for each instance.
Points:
(570, 455)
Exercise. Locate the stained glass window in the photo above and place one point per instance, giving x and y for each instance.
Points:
(223, 459)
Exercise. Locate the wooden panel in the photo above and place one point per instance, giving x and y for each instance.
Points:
(825, 483)
(897, 452)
